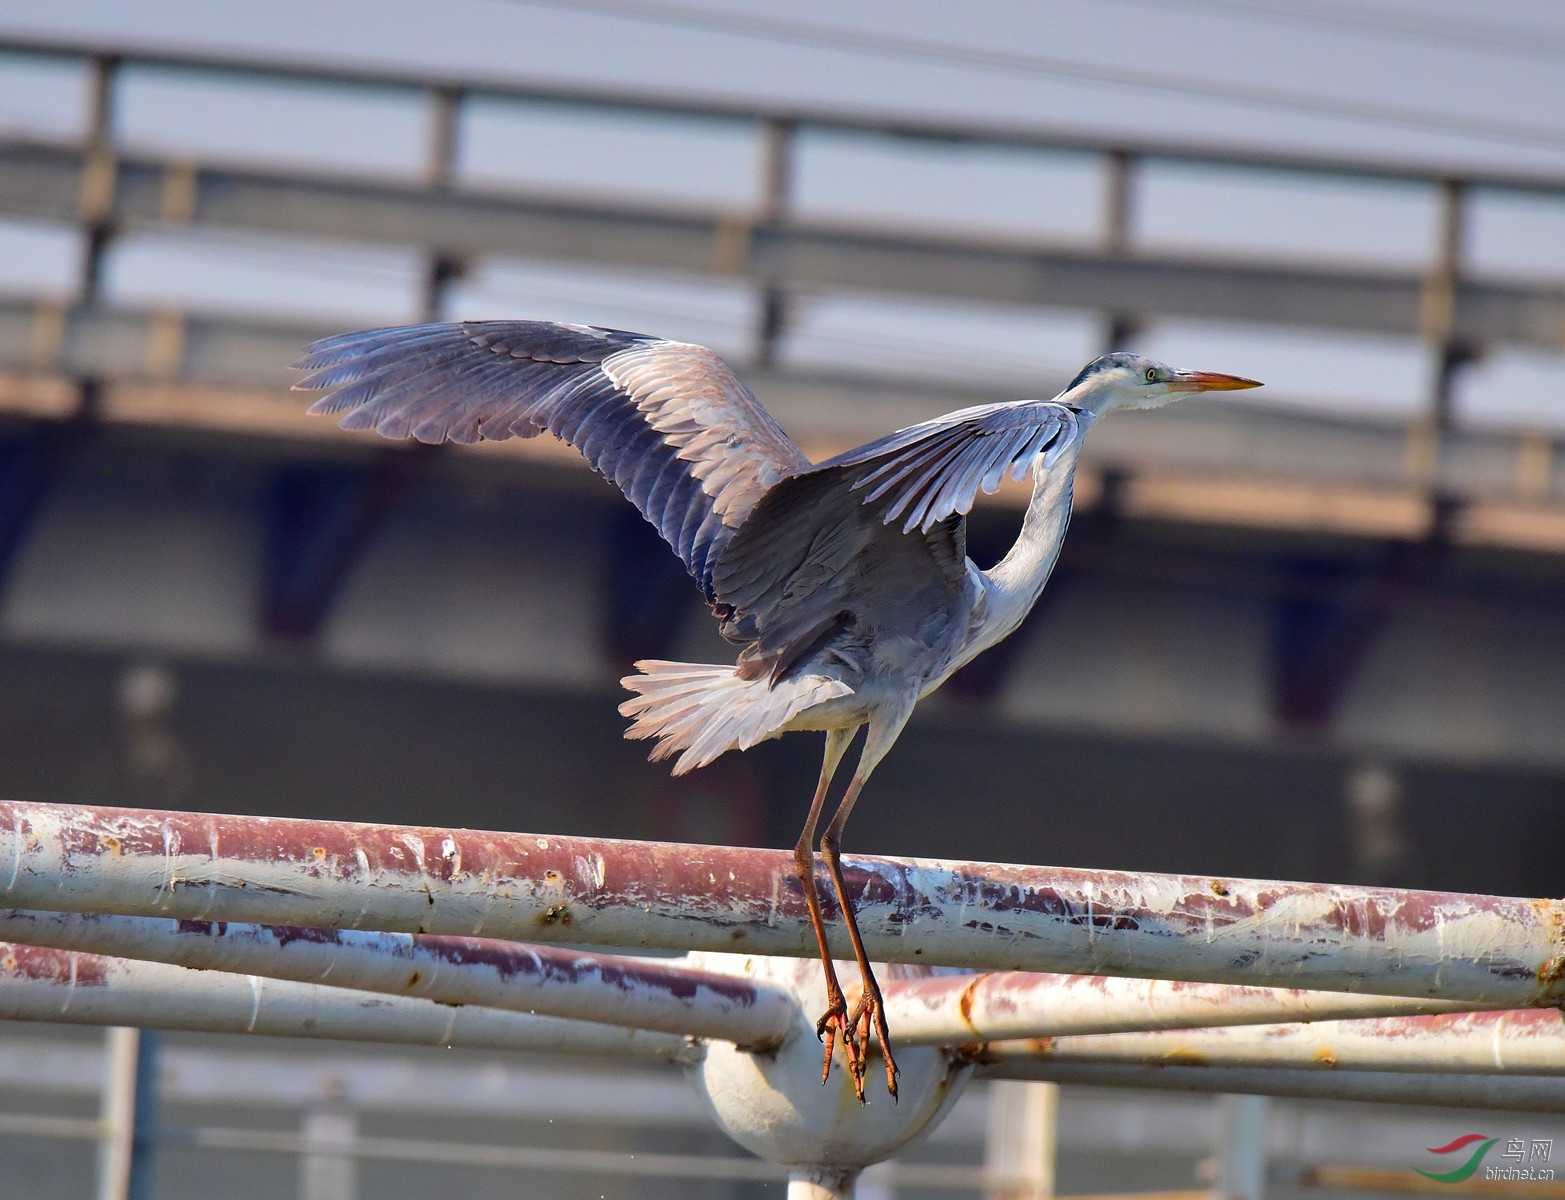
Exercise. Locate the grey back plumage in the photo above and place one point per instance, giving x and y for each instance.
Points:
(666, 422)
(894, 510)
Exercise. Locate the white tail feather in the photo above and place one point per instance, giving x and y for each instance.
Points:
(700, 712)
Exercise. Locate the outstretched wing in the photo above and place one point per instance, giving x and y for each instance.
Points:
(926, 473)
(876, 532)
(666, 422)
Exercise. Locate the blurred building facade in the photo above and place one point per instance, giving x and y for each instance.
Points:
(1290, 639)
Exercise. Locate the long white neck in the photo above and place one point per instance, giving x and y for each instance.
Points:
(1016, 581)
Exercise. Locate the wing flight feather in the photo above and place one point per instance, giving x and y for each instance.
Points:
(667, 422)
(928, 472)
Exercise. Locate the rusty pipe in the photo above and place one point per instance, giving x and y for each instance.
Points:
(1006, 1005)
(1496, 950)
(1524, 1042)
(1510, 1093)
(42, 984)
(545, 980)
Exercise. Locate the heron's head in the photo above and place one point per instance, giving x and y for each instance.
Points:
(1122, 380)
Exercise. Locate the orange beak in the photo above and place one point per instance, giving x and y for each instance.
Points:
(1210, 381)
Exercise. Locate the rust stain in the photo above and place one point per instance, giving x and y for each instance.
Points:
(964, 1004)
(1324, 1056)
(1184, 1057)
(43, 965)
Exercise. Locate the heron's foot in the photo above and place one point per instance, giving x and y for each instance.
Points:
(834, 1022)
(870, 1012)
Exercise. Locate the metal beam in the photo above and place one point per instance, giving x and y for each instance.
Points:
(1340, 474)
(1503, 951)
(871, 122)
(45, 181)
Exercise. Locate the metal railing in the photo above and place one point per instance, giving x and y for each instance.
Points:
(173, 888)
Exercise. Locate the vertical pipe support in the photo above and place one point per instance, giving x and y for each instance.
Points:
(1118, 225)
(1242, 1165)
(1439, 320)
(439, 174)
(1119, 201)
(327, 1168)
(117, 1112)
(144, 1125)
(1020, 1140)
(777, 171)
(96, 199)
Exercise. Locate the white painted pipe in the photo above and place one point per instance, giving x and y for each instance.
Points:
(39, 984)
(947, 1010)
(543, 980)
(1521, 1042)
(1497, 950)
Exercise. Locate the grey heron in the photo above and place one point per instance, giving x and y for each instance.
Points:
(846, 582)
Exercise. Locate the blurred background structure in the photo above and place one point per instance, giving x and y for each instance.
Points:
(1316, 632)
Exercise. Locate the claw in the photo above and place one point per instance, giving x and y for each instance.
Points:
(833, 1020)
(869, 1012)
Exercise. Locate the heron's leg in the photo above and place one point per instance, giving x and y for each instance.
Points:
(836, 1015)
(870, 1006)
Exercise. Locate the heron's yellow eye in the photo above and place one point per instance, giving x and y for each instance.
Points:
(1151, 374)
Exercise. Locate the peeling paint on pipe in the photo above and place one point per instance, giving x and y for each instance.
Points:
(1524, 1042)
(1004, 1005)
(1509, 1093)
(449, 970)
(42, 984)
(1497, 950)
